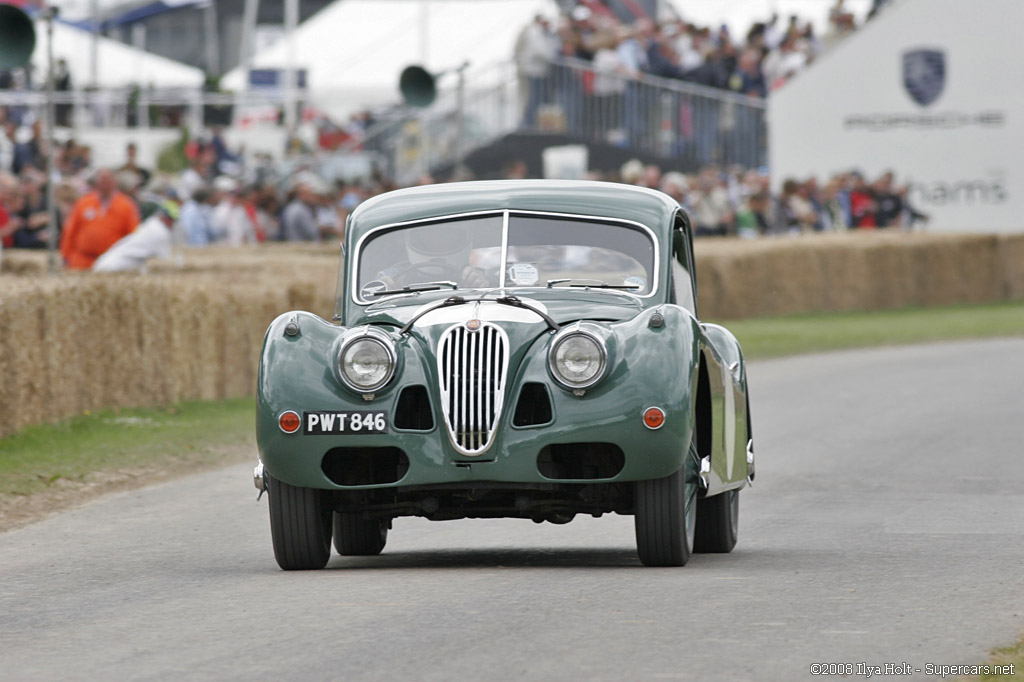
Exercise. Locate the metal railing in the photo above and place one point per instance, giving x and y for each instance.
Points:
(129, 107)
(666, 117)
(663, 117)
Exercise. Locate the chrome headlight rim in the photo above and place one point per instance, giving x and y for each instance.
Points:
(602, 352)
(371, 336)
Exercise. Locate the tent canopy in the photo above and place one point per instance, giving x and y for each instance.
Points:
(363, 45)
(118, 64)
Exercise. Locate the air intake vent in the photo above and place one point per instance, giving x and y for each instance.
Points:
(534, 406)
(472, 366)
(413, 410)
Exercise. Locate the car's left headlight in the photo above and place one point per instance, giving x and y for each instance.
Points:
(366, 362)
(578, 359)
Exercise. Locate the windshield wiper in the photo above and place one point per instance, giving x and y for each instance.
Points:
(448, 302)
(593, 284)
(417, 287)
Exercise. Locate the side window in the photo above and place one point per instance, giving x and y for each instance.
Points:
(683, 280)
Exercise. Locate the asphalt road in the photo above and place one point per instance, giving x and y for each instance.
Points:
(886, 526)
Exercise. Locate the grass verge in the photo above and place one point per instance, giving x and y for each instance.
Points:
(814, 332)
(1012, 655)
(47, 468)
(189, 433)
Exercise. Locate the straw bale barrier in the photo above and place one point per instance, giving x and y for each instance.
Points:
(80, 342)
(855, 271)
(192, 328)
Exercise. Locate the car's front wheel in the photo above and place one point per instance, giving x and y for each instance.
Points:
(665, 515)
(356, 536)
(300, 526)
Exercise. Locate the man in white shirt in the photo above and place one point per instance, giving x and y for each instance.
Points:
(151, 239)
(231, 224)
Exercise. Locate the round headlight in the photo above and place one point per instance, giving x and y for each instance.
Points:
(578, 360)
(366, 363)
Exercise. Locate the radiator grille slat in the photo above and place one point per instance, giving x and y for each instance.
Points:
(472, 366)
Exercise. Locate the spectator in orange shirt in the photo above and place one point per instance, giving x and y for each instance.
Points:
(97, 220)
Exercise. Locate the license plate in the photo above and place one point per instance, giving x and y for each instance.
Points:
(344, 423)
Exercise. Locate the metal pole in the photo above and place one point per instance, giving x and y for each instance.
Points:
(460, 115)
(249, 17)
(424, 32)
(291, 21)
(141, 110)
(94, 68)
(212, 40)
(51, 194)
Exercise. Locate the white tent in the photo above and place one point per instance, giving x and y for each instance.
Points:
(118, 64)
(359, 47)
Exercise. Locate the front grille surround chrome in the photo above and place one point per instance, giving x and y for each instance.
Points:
(472, 367)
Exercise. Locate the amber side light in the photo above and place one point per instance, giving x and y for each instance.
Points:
(289, 422)
(654, 417)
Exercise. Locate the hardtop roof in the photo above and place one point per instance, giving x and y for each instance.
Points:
(582, 197)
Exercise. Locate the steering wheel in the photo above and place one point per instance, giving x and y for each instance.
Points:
(428, 271)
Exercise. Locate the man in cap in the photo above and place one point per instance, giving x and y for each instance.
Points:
(152, 239)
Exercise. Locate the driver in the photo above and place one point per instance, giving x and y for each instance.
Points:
(436, 253)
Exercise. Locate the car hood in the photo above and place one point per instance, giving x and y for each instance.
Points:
(522, 326)
(561, 305)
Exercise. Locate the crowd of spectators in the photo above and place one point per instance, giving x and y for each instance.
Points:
(754, 64)
(589, 74)
(119, 218)
(740, 202)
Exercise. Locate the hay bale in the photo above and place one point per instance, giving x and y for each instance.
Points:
(1011, 259)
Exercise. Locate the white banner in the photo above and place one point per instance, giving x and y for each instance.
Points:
(932, 90)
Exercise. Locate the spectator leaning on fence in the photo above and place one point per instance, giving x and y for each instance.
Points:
(536, 47)
(97, 221)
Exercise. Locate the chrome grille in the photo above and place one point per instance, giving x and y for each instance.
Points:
(472, 366)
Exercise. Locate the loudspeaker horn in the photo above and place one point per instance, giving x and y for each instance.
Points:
(17, 37)
(418, 86)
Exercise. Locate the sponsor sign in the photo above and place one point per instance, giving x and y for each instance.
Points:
(915, 93)
(924, 74)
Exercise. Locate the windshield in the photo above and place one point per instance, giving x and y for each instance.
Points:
(542, 251)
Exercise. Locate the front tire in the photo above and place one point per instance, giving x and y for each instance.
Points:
(299, 526)
(718, 520)
(356, 536)
(665, 515)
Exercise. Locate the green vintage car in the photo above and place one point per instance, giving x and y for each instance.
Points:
(525, 349)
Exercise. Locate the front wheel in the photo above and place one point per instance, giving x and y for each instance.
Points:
(718, 521)
(356, 536)
(665, 515)
(299, 526)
